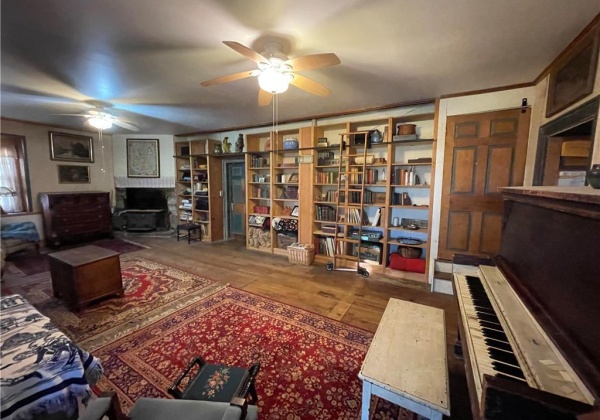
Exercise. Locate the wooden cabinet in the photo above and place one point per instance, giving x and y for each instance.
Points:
(198, 187)
(75, 217)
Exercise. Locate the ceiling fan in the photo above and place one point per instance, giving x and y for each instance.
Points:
(103, 120)
(276, 71)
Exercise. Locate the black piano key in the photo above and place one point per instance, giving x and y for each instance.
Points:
(502, 345)
(503, 356)
(497, 335)
(509, 370)
(488, 317)
(492, 325)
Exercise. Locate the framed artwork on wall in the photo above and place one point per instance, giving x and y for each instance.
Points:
(573, 77)
(143, 158)
(70, 147)
(73, 174)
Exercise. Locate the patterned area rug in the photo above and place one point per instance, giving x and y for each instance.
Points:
(32, 264)
(309, 363)
(152, 290)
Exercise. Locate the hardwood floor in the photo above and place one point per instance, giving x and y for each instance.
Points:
(344, 296)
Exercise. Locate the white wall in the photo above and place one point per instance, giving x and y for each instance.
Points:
(43, 172)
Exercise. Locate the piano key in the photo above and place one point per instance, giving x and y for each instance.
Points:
(503, 356)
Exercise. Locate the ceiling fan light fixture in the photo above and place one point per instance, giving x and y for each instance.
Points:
(100, 122)
(274, 81)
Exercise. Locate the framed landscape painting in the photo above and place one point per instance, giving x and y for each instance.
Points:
(73, 174)
(71, 147)
(143, 158)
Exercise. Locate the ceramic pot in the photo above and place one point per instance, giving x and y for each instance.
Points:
(405, 129)
(289, 144)
(593, 176)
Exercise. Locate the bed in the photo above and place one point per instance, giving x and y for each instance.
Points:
(44, 373)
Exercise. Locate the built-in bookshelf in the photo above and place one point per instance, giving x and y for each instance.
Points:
(198, 184)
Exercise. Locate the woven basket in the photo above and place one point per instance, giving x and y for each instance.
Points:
(408, 252)
(301, 254)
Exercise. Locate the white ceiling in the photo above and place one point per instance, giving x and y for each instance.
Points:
(145, 59)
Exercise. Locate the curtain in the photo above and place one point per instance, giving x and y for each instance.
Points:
(10, 177)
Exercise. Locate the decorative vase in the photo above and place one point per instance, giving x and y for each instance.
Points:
(593, 176)
(239, 144)
(289, 144)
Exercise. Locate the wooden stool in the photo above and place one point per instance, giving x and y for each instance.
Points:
(189, 228)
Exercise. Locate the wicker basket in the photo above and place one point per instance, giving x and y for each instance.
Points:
(301, 254)
(408, 252)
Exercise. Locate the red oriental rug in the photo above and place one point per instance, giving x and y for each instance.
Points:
(309, 363)
(152, 291)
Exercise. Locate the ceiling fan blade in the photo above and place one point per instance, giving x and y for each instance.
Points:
(229, 78)
(264, 97)
(309, 85)
(246, 52)
(125, 125)
(75, 115)
(314, 61)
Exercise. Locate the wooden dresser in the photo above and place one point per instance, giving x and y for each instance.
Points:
(75, 217)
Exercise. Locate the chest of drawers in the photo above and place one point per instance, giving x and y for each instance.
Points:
(75, 217)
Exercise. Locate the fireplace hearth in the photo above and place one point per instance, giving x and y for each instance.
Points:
(143, 209)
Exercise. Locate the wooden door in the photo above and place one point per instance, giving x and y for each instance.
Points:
(483, 152)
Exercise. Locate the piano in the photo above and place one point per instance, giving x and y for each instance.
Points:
(530, 317)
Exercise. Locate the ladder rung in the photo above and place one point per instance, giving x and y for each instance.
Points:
(346, 257)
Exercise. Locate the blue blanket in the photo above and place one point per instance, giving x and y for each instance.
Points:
(24, 230)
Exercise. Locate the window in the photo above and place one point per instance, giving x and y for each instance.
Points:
(14, 188)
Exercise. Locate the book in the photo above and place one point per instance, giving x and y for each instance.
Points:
(376, 218)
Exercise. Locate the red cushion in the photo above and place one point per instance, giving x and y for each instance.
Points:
(398, 262)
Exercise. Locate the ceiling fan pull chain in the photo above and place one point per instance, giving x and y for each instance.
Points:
(101, 138)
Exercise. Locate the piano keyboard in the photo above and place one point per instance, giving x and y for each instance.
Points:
(494, 353)
(491, 313)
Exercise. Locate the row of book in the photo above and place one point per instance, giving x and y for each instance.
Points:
(402, 176)
(325, 213)
(325, 245)
(257, 161)
(260, 192)
(352, 215)
(326, 177)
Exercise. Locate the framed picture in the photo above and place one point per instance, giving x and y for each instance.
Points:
(73, 174)
(293, 178)
(143, 158)
(70, 147)
(573, 77)
(295, 211)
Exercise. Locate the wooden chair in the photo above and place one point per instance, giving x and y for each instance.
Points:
(209, 382)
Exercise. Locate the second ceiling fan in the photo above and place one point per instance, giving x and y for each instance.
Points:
(276, 71)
